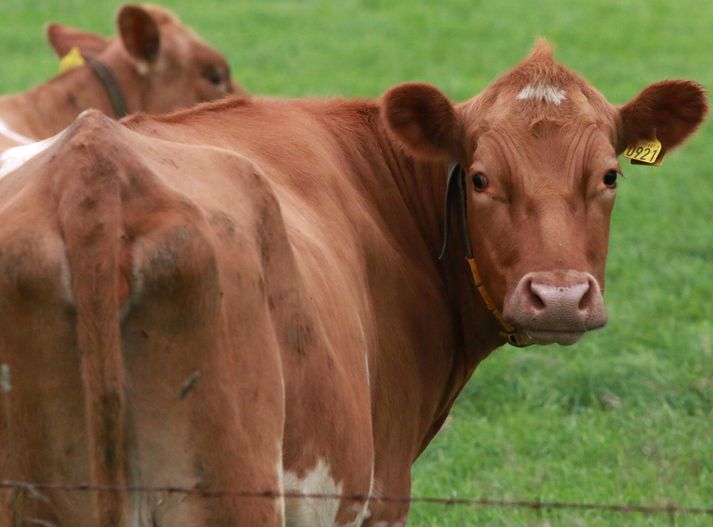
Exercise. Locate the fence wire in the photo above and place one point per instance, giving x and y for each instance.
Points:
(671, 509)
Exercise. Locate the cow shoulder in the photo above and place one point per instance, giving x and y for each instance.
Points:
(36, 181)
(204, 229)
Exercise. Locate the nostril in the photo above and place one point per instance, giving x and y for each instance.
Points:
(586, 301)
(537, 302)
(565, 302)
(535, 299)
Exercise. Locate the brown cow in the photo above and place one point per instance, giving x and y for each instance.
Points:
(156, 65)
(248, 295)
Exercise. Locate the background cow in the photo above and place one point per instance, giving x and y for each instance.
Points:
(249, 295)
(156, 64)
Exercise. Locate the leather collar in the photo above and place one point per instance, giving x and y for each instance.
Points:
(111, 86)
(456, 196)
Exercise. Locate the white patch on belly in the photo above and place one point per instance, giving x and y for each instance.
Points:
(317, 512)
(14, 136)
(311, 512)
(13, 158)
(542, 92)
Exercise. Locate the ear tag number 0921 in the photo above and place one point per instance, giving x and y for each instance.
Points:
(644, 152)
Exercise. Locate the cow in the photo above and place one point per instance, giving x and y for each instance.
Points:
(254, 297)
(156, 64)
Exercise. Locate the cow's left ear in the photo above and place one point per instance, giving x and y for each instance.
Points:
(424, 121)
(139, 33)
(669, 111)
(63, 38)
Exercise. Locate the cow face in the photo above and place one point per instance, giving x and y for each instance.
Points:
(170, 67)
(540, 149)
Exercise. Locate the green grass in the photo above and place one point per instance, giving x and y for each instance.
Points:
(626, 416)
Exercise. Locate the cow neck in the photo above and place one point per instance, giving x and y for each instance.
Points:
(456, 204)
(53, 105)
(423, 188)
(475, 331)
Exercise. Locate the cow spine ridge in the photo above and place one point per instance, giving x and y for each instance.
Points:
(90, 215)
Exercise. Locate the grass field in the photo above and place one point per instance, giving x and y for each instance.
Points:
(625, 416)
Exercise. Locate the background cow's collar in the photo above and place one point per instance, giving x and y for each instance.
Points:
(455, 191)
(111, 85)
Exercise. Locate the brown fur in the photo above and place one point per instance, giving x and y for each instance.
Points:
(275, 246)
(90, 218)
(667, 110)
(160, 64)
(425, 122)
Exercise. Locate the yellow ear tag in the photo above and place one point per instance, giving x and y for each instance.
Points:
(645, 152)
(71, 60)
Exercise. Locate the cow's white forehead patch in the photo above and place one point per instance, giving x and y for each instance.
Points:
(542, 92)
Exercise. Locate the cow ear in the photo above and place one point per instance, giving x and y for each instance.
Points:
(139, 33)
(669, 111)
(63, 38)
(424, 121)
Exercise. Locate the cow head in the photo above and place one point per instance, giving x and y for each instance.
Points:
(540, 149)
(164, 64)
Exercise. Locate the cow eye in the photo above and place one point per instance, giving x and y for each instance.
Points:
(212, 75)
(610, 178)
(480, 182)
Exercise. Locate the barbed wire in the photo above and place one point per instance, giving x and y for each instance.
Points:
(669, 508)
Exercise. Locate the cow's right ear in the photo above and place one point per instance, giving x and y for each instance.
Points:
(139, 33)
(424, 121)
(63, 38)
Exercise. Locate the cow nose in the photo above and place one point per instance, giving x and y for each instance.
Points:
(567, 298)
(556, 306)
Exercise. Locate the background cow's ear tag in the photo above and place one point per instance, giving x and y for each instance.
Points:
(71, 60)
(644, 152)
